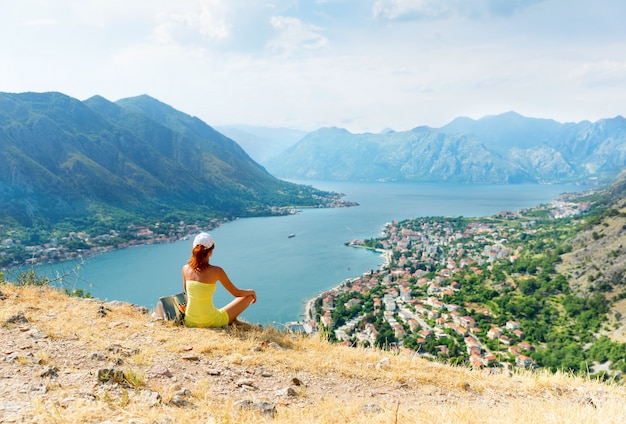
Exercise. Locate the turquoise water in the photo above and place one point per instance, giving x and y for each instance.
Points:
(286, 272)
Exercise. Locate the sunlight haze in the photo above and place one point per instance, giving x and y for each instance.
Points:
(362, 65)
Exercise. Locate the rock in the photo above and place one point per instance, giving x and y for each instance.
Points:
(371, 408)
(39, 389)
(296, 381)
(589, 401)
(142, 309)
(122, 350)
(160, 371)
(264, 345)
(190, 357)
(98, 356)
(180, 398)
(183, 392)
(36, 334)
(383, 363)
(29, 357)
(245, 382)
(12, 357)
(266, 408)
(179, 401)
(19, 318)
(246, 385)
(88, 396)
(244, 404)
(287, 392)
(150, 398)
(51, 372)
(213, 371)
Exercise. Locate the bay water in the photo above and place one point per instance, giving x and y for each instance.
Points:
(287, 271)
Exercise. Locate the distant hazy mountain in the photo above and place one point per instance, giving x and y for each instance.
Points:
(61, 159)
(507, 148)
(262, 143)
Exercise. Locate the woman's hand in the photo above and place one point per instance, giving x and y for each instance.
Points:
(253, 294)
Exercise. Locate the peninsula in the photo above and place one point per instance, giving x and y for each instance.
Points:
(482, 292)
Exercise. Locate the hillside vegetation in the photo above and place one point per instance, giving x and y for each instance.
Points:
(68, 359)
(78, 175)
(95, 162)
(597, 261)
(541, 287)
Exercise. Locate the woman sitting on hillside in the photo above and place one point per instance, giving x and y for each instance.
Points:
(200, 279)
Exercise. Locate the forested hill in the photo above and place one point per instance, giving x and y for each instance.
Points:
(62, 159)
(503, 149)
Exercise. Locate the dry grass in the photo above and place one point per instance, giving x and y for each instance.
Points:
(339, 384)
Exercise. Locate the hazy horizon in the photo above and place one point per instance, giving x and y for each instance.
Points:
(364, 66)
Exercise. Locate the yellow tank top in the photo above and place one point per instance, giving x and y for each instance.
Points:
(200, 311)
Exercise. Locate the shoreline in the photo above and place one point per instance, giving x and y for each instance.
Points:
(82, 255)
(92, 253)
(74, 264)
(309, 305)
(387, 255)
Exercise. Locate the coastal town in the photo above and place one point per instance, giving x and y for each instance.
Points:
(78, 245)
(416, 303)
(428, 299)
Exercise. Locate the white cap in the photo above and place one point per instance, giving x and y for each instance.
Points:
(204, 239)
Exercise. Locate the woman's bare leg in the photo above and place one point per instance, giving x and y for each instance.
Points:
(236, 307)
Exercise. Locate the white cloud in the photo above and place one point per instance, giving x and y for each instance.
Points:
(292, 35)
(369, 64)
(441, 9)
(409, 9)
(198, 21)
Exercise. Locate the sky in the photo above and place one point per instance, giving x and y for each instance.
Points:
(363, 65)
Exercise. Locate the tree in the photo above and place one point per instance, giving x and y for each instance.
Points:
(386, 336)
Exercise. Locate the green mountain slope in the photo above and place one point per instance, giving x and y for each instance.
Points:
(63, 159)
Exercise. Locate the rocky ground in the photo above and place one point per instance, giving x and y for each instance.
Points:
(76, 360)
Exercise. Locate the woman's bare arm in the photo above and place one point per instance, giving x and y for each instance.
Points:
(232, 289)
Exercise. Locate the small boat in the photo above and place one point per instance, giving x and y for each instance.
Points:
(292, 235)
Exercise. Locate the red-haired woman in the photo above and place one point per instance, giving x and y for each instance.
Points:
(200, 279)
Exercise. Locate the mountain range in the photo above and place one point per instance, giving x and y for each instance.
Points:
(63, 159)
(262, 143)
(504, 149)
